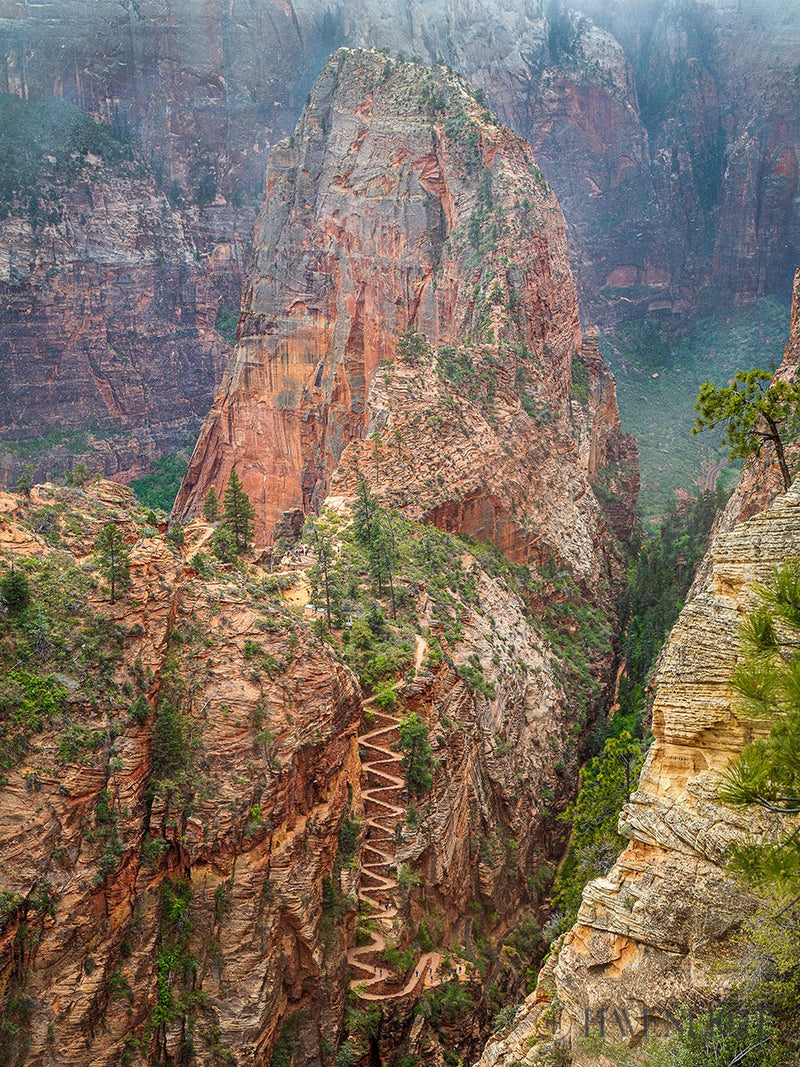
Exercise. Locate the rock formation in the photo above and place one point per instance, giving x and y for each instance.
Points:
(428, 308)
(667, 136)
(649, 935)
(415, 325)
(414, 328)
(659, 127)
(668, 140)
(167, 837)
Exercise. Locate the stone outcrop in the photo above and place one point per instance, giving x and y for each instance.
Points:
(165, 840)
(415, 326)
(649, 936)
(427, 308)
(171, 836)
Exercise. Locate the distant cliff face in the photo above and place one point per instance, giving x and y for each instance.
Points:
(412, 296)
(666, 132)
(108, 321)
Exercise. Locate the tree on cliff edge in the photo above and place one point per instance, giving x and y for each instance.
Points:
(754, 414)
(767, 772)
(237, 514)
(113, 558)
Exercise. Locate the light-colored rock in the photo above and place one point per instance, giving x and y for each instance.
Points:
(648, 936)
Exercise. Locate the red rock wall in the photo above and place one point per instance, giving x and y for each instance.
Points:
(380, 216)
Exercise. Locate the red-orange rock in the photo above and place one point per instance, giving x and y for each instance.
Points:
(401, 205)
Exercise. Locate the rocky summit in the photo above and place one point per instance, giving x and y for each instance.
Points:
(411, 301)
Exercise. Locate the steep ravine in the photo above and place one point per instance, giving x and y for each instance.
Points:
(650, 935)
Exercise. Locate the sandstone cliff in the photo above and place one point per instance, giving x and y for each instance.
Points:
(666, 133)
(649, 935)
(169, 828)
(185, 824)
(109, 306)
(470, 402)
(108, 323)
(414, 329)
(428, 308)
(665, 129)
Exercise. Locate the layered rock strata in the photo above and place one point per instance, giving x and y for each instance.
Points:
(108, 318)
(666, 131)
(649, 935)
(166, 838)
(428, 308)
(411, 323)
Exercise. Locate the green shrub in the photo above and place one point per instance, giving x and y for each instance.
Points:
(15, 590)
(159, 488)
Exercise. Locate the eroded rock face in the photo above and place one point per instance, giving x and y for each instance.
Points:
(169, 871)
(667, 135)
(108, 320)
(649, 934)
(428, 305)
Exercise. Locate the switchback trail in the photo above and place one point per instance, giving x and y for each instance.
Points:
(384, 810)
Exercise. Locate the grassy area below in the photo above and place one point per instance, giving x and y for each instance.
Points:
(658, 378)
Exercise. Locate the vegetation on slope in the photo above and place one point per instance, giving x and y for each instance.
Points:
(158, 489)
(49, 140)
(659, 577)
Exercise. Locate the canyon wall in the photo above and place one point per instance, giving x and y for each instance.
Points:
(667, 134)
(410, 325)
(168, 828)
(425, 314)
(108, 322)
(650, 935)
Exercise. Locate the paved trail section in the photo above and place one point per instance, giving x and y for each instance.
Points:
(384, 808)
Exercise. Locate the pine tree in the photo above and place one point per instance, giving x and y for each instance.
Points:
(372, 529)
(15, 590)
(323, 575)
(113, 558)
(211, 505)
(237, 513)
(754, 414)
(417, 761)
(767, 772)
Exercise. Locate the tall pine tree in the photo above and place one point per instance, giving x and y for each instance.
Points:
(767, 772)
(237, 513)
(113, 558)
